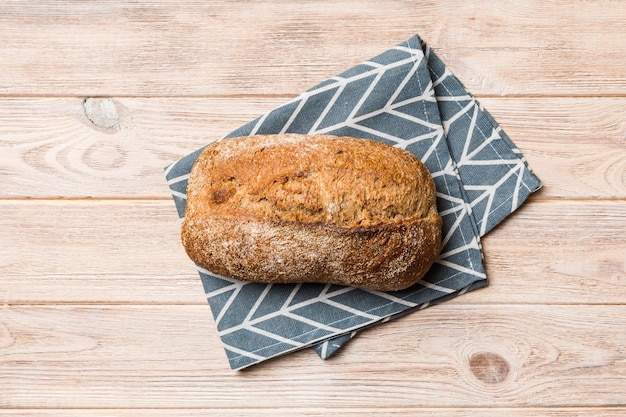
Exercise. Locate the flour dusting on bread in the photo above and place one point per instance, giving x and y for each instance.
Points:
(312, 208)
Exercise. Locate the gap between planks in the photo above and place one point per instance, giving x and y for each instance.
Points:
(466, 411)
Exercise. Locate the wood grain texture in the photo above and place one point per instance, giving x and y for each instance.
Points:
(101, 312)
(77, 252)
(321, 411)
(224, 48)
(170, 356)
(577, 146)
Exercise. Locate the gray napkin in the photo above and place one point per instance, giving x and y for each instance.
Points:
(408, 98)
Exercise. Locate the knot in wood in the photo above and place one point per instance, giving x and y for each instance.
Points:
(101, 112)
(489, 368)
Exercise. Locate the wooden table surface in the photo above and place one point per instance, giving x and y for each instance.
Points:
(103, 314)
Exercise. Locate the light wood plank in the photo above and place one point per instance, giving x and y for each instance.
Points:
(576, 146)
(51, 149)
(222, 47)
(558, 252)
(130, 252)
(170, 356)
(315, 412)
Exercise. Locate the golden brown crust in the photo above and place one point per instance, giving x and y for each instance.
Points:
(312, 208)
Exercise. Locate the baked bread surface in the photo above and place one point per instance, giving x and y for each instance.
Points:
(294, 208)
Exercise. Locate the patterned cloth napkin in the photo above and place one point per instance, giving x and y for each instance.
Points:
(408, 98)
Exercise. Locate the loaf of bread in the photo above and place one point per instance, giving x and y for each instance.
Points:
(293, 208)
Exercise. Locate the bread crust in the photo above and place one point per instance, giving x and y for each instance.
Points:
(312, 208)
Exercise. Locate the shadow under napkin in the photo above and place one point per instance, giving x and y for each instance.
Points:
(408, 98)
